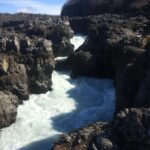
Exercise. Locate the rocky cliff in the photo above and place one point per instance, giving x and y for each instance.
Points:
(128, 131)
(28, 45)
(117, 47)
(93, 7)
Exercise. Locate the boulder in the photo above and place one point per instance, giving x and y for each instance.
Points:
(93, 137)
(132, 128)
(130, 71)
(40, 74)
(15, 79)
(83, 64)
(8, 108)
(28, 44)
(4, 64)
(52, 28)
(116, 48)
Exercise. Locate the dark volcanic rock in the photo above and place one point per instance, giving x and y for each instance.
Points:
(8, 108)
(28, 44)
(131, 70)
(14, 77)
(62, 64)
(142, 98)
(83, 64)
(91, 137)
(50, 27)
(80, 25)
(130, 130)
(93, 7)
(39, 69)
(116, 47)
(35, 58)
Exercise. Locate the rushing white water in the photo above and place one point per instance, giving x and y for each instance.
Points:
(77, 41)
(71, 104)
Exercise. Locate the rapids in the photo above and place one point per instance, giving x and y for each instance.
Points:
(70, 105)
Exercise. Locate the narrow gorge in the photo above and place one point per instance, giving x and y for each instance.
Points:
(70, 105)
(78, 81)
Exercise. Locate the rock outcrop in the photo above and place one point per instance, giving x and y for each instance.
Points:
(8, 108)
(93, 7)
(28, 45)
(129, 131)
(117, 47)
(14, 79)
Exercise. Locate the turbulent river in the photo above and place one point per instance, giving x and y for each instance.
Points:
(71, 104)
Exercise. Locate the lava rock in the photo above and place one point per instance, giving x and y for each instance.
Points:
(15, 79)
(128, 131)
(82, 64)
(132, 129)
(118, 49)
(94, 7)
(8, 108)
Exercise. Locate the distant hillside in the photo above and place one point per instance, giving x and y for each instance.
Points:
(93, 7)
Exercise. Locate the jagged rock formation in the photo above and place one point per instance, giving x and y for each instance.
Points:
(128, 131)
(80, 11)
(28, 44)
(117, 47)
(93, 7)
(8, 108)
(51, 28)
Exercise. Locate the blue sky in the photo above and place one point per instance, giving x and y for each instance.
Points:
(32, 6)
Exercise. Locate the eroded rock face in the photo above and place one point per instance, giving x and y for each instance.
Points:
(131, 70)
(132, 128)
(39, 69)
(91, 137)
(52, 28)
(93, 7)
(28, 44)
(86, 61)
(24, 73)
(116, 47)
(15, 78)
(8, 108)
(128, 131)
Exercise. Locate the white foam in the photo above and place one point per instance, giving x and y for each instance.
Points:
(77, 41)
(71, 104)
(61, 58)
